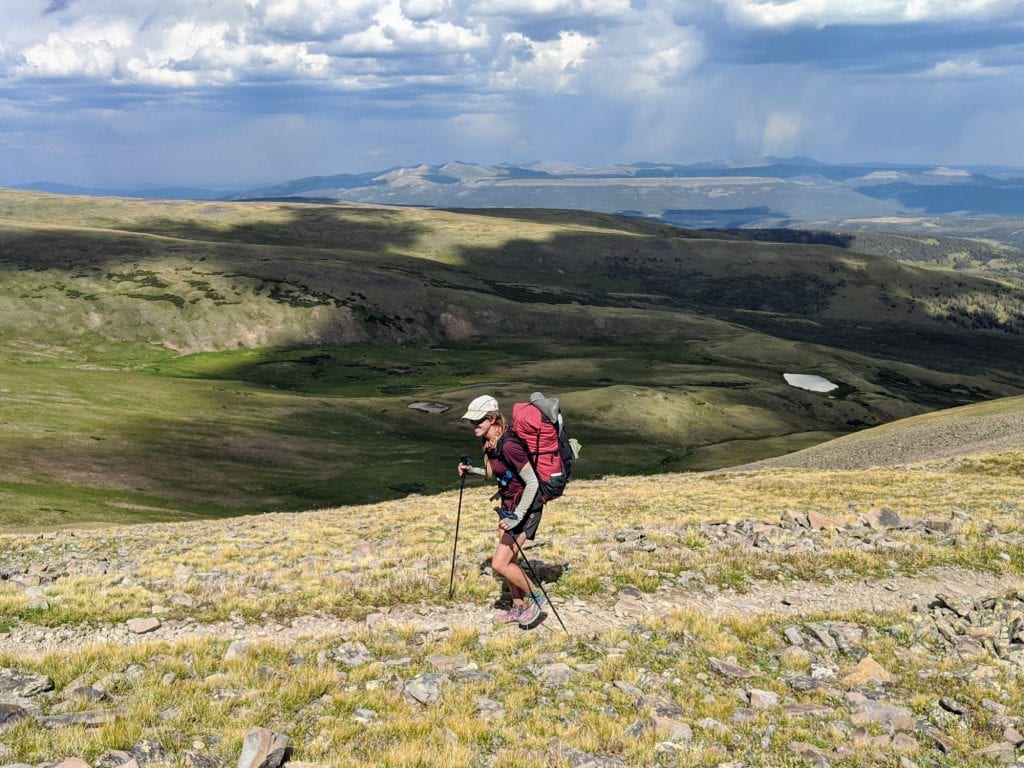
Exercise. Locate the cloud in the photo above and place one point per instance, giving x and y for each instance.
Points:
(362, 84)
(551, 8)
(544, 65)
(422, 10)
(781, 13)
(521, 8)
(90, 49)
(391, 32)
(963, 68)
(781, 133)
(310, 19)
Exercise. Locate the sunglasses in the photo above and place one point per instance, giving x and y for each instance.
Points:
(478, 422)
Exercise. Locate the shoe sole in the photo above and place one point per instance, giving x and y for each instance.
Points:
(536, 622)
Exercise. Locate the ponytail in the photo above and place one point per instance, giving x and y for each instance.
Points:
(499, 421)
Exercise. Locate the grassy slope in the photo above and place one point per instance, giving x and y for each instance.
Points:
(951, 435)
(348, 563)
(182, 359)
(89, 411)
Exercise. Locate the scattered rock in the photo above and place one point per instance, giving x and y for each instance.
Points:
(795, 519)
(556, 674)
(20, 682)
(1003, 752)
(262, 748)
(92, 719)
(892, 717)
(443, 663)
(424, 689)
(629, 689)
(882, 518)
(867, 671)
(952, 705)
(489, 709)
(807, 710)
(904, 742)
(713, 726)
(238, 649)
(579, 759)
(728, 669)
(793, 636)
(197, 759)
(673, 731)
(941, 740)
(11, 715)
(640, 728)
(353, 654)
(820, 522)
(143, 626)
(661, 707)
(115, 758)
(762, 699)
(145, 751)
(814, 754)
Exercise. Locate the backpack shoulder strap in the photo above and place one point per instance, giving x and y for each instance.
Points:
(511, 436)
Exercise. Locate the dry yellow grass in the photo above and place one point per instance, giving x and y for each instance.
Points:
(349, 562)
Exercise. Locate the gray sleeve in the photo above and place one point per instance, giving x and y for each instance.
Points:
(476, 471)
(531, 486)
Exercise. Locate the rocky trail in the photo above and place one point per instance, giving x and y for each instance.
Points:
(915, 667)
(584, 618)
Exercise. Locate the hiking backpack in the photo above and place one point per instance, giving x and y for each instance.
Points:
(539, 425)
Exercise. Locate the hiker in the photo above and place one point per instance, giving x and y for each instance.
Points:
(506, 460)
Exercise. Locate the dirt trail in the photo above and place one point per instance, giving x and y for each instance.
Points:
(582, 618)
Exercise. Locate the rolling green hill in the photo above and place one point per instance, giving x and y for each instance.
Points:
(180, 359)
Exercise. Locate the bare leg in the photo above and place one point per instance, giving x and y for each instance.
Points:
(504, 564)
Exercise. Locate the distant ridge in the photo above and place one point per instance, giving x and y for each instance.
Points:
(767, 192)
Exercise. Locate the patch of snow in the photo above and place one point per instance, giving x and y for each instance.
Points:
(432, 408)
(810, 382)
(944, 171)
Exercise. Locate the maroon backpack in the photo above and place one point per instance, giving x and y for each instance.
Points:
(538, 424)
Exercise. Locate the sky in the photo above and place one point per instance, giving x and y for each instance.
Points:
(236, 93)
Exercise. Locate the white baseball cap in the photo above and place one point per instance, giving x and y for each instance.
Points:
(480, 407)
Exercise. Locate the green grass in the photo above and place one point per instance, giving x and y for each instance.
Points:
(106, 433)
(206, 359)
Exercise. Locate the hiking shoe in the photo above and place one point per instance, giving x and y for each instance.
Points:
(537, 598)
(529, 614)
(510, 616)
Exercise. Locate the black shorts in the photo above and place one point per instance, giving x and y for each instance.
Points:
(529, 523)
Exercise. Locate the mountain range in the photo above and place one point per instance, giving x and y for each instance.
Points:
(766, 193)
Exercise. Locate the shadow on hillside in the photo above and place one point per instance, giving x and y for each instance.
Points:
(765, 289)
(518, 292)
(348, 228)
(360, 229)
(801, 236)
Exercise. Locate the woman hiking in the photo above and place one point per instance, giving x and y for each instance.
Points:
(506, 460)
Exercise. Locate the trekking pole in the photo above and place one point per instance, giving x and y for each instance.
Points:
(458, 517)
(537, 581)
